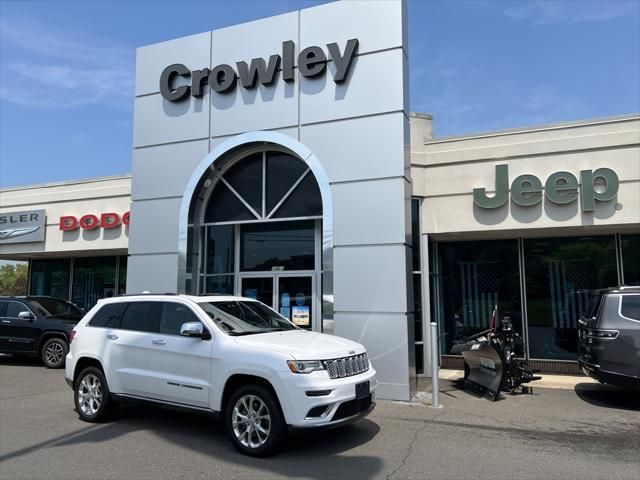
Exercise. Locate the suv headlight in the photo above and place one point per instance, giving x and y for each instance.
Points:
(305, 366)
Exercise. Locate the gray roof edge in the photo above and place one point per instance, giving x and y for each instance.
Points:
(537, 128)
(67, 182)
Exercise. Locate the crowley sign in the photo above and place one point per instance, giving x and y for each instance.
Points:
(91, 221)
(22, 227)
(560, 188)
(312, 62)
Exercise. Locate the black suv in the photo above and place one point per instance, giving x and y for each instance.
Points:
(37, 326)
(609, 337)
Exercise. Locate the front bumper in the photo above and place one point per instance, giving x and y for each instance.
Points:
(335, 407)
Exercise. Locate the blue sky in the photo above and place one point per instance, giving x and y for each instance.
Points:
(67, 70)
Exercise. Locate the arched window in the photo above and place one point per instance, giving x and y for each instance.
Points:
(263, 186)
(257, 215)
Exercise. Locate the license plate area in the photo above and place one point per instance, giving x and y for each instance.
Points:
(362, 390)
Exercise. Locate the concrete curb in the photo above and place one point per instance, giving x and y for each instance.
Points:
(563, 382)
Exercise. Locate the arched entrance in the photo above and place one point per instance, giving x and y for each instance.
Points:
(256, 226)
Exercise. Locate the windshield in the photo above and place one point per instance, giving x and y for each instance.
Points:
(56, 308)
(245, 317)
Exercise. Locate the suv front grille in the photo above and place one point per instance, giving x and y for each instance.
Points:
(347, 366)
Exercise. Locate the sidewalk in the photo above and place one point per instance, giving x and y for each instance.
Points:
(563, 382)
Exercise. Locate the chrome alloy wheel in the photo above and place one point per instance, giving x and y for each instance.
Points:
(251, 421)
(90, 395)
(54, 353)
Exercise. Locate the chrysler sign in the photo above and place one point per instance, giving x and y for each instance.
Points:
(311, 62)
(22, 227)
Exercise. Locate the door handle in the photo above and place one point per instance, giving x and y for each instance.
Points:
(112, 336)
(6, 321)
(159, 341)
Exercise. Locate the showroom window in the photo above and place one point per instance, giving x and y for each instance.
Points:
(93, 279)
(473, 278)
(560, 273)
(50, 278)
(630, 250)
(417, 285)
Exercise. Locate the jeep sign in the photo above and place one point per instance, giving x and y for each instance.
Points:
(312, 62)
(560, 188)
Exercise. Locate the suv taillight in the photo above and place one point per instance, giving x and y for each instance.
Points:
(604, 334)
(72, 335)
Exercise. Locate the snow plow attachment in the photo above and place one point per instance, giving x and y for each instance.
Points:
(483, 366)
(490, 361)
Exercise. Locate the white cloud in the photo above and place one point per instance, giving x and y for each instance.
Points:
(555, 12)
(42, 68)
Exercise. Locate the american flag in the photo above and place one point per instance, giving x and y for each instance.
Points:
(569, 284)
(480, 287)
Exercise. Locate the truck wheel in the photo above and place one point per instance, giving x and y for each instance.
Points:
(91, 395)
(54, 352)
(254, 421)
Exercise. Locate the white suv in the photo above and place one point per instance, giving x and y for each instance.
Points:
(227, 355)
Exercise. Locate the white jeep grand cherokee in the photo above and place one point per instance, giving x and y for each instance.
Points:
(228, 355)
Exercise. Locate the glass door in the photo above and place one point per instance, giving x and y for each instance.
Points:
(260, 288)
(295, 299)
(291, 294)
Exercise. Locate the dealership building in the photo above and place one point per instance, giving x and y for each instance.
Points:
(289, 169)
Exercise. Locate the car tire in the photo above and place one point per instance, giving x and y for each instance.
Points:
(92, 396)
(466, 370)
(53, 352)
(254, 421)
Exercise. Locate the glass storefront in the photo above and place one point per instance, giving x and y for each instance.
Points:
(93, 279)
(258, 235)
(82, 280)
(630, 251)
(556, 277)
(560, 272)
(50, 278)
(474, 277)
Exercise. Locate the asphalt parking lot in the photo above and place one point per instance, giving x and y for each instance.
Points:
(589, 432)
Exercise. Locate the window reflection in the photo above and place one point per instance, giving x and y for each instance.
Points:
(50, 277)
(560, 272)
(93, 279)
(286, 245)
(476, 276)
(631, 258)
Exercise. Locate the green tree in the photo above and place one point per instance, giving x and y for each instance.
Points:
(13, 279)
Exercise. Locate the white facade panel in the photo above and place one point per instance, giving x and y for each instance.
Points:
(387, 351)
(152, 273)
(230, 44)
(178, 160)
(374, 214)
(194, 52)
(341, 21)
(321, 99)
(347, 151)
(370, 279)
(261, 108)
(154, 226)
(158, 121)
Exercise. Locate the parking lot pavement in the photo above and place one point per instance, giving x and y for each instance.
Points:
(588, 432)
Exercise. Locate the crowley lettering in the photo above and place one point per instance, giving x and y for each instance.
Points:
(312, 62)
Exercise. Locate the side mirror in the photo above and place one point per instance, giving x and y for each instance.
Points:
(192, 329)
(26, 315)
